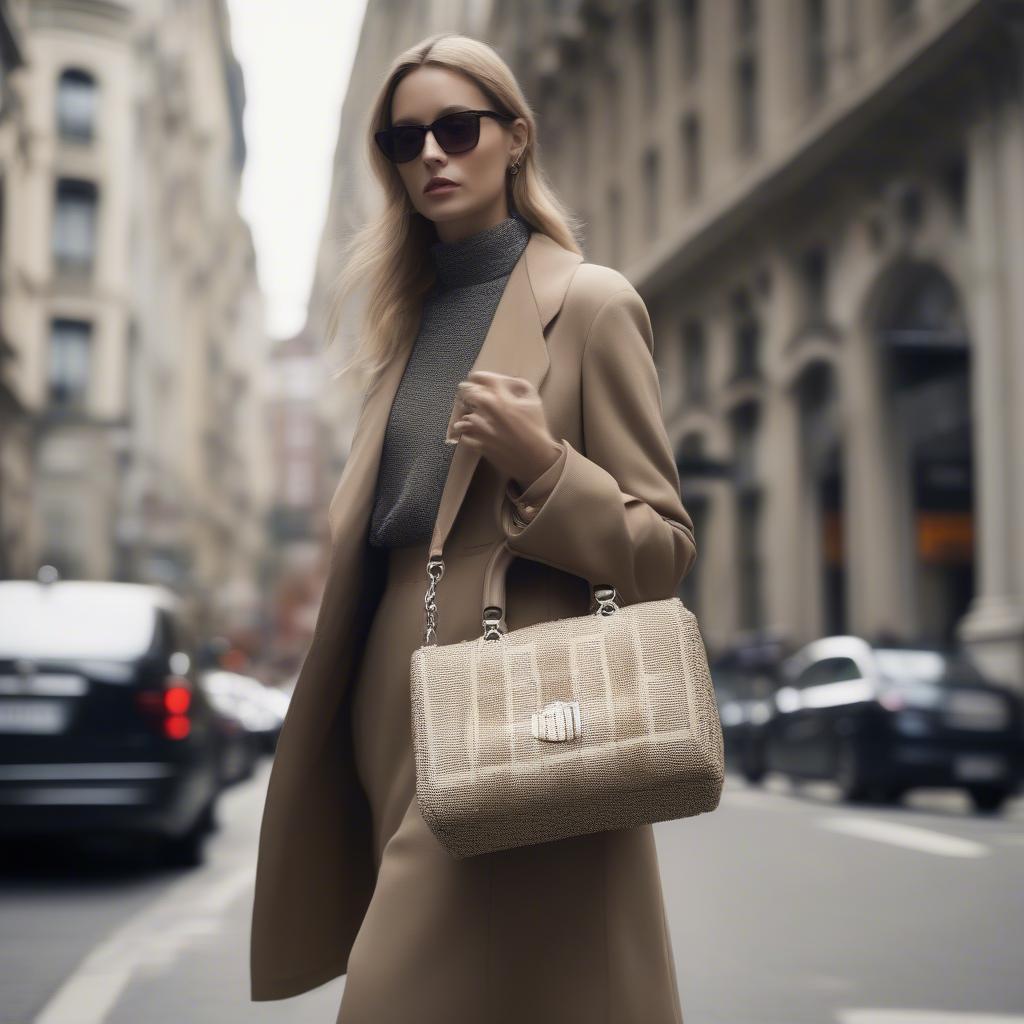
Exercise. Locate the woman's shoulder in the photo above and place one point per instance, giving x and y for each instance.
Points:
(594, 284)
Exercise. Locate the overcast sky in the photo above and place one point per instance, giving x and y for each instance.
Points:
(296, 57)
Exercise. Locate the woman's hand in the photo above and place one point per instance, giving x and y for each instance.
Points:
(504, 419)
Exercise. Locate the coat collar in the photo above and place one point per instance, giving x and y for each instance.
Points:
(515, 344)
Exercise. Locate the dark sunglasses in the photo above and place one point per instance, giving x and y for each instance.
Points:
(457, 132)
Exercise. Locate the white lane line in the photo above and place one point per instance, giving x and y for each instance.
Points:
(191, 907)
(909, 836)
(881, 1016)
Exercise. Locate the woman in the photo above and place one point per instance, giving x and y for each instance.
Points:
(483, 323)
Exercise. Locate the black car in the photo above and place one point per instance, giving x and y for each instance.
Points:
(102, 728)
(879, 720)
(745, 678)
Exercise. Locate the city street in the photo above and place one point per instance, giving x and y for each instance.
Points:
(785, 906)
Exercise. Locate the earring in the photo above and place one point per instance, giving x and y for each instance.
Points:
(514, 169)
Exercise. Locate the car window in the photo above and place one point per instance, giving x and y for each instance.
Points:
(808, 676)
(906, 665)
(839, 670)
(73, 620)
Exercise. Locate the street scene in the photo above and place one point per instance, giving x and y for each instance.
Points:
(821, 205)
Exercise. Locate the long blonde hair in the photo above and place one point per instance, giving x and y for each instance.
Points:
(390, 253)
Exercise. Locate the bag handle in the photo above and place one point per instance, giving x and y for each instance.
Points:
(493, 616)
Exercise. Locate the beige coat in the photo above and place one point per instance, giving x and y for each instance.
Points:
(581, 333)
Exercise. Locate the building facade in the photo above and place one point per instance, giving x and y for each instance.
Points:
(136, 315)
(15, 425)
(822, 203)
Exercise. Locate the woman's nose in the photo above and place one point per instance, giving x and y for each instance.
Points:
(431, 149)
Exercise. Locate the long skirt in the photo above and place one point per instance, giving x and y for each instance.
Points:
(565, 932)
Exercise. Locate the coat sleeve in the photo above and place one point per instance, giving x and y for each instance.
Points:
(612, 513)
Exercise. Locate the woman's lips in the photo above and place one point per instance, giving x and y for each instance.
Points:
(441, 189)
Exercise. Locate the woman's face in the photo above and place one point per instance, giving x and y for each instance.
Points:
(478, 201)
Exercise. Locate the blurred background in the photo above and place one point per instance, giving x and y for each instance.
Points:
(822, 205)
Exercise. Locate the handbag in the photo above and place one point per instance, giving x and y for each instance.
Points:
(561, 728)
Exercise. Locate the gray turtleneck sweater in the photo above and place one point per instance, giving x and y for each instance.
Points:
(457, 313)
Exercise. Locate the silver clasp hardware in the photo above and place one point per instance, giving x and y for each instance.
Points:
(492, 623)
(605, 597)
(435, 570)
(557, 722)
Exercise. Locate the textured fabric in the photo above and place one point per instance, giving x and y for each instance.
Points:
(651, 744)
(475, 940)
(471, 276)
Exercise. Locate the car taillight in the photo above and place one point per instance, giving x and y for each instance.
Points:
(892, 700)
(168, 707)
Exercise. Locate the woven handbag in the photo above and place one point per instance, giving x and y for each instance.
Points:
(561, 728)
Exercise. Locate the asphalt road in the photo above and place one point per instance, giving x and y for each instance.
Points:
(785, 907)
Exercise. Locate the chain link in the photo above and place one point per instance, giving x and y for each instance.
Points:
(435, 570)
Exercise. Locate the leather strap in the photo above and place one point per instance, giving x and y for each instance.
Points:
(455, 487)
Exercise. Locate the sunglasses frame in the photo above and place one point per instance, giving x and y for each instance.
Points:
(382, 137)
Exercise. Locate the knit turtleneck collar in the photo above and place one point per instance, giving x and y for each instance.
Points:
(483, 256)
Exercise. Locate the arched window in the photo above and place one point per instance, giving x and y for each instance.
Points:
(74, 224)
(76, 105)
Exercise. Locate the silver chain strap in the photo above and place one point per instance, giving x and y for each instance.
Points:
(605, 596)
(435, 570)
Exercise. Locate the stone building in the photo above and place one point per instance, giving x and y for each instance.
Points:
(822, 203)
(15, 427)
(135, 315)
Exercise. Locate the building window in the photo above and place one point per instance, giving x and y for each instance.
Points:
(647, 44)
(695, 374)
(692, 160)
(613, 113)
(74, 225)
(900, 9)
(816, 47)
(746, 103)
(76, 105)
(814, 275)
(70, 341)
(689, 18)
(746, 338)
(746, 77)
(652, 188)
(615, 226)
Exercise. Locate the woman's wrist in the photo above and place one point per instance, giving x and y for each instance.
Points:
(522, 483)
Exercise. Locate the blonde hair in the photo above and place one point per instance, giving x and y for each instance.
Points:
(390, 253)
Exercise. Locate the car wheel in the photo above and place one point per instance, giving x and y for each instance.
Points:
(987, 799)
(208, 819)
(849, 773)
(186, 850)
(891, 794)
(752, 767)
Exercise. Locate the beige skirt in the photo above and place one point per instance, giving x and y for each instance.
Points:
(568, 932)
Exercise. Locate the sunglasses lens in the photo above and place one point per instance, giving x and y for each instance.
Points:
(405, 143)
(457, 133)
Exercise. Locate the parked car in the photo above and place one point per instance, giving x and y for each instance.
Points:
(102, 728)
(885, 719)
(260, 709)
(745, 678)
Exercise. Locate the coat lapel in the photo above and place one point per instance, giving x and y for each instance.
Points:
(515, 344)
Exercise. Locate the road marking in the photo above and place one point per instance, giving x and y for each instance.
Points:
(880, 1016)
(154, 937)
(909, 836)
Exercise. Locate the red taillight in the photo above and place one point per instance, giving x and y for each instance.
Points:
(177, 700)
(176, 727)
(168, 707)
